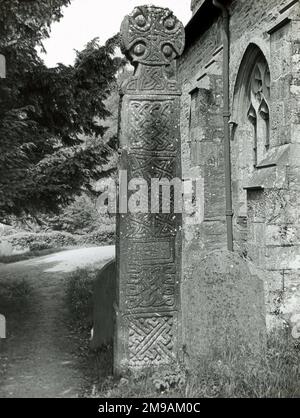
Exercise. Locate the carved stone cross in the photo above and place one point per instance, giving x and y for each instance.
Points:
(149, 244)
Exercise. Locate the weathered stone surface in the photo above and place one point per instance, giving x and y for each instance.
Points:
(208, 236)
(149, 245)
(274, 288)
(271, 28)
(104, 299)
(223, 306)
(291, 300)
(286, 235)
(283, 258)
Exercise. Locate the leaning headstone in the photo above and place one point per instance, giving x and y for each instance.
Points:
(223, 307)
(104, 298)
(149, 245)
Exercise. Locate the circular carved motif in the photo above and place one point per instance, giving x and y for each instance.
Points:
(141, 21)
(170, 23)
(152, 36)
(139, 49)
(168, 51)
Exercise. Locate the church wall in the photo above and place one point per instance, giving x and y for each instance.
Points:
(266, 219)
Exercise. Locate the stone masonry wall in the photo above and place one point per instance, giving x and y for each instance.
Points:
(266, 220)
(202, 150)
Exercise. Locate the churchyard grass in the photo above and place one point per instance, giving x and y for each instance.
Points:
(278, 376)
(230, 376)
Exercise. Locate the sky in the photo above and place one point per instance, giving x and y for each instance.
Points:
(87, 19)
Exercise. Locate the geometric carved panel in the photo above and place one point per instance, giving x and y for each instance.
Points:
(151, 252)
(149, 225)
(151, 288)
(151, 340)
(150, 125)
(151, 165)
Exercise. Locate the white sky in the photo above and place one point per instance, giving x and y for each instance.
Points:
(86, 19)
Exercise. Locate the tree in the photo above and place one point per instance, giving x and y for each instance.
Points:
(51, 140)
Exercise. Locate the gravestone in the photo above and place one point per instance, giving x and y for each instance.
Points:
(223, 307)
(104, 296)
(148, 244)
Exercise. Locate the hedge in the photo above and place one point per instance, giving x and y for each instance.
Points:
(49, 240)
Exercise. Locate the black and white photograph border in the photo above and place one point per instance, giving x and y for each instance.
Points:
(149, 202)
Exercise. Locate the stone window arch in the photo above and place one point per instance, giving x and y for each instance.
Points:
(259, 111)
(251, 123)
(251, 100)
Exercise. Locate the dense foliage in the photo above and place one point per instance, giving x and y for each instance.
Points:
(51, 137)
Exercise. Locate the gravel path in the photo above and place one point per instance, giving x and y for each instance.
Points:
(41, 356)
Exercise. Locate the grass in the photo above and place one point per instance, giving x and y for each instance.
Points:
(79, 300)
(16, 290)
(232, 376)
(277, 375)
(30, 254)
(79, 296)
(13, 293)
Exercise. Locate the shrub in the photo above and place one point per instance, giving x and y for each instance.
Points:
(42, 241)
(39, 246)
(105, 236)
(7, 230)
(49, 240)
(81, 217)
(16, 289)
(79, 296)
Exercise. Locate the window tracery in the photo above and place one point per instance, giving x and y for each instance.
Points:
(259, 111)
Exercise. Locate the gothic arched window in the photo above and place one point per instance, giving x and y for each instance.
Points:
(259, 113)
(251, 110)
(251, 122)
